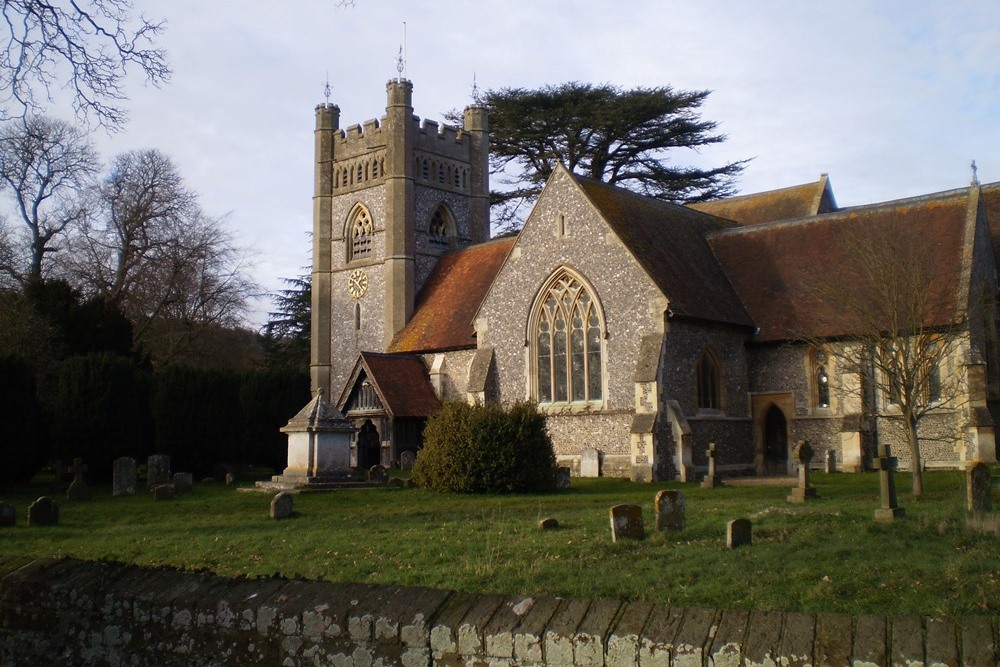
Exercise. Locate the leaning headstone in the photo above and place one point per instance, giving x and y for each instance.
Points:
(738, 533)
(563, 475)
(886, 466)
(669, 508)
(124, 481)
(626, 523)
(830, 461)
(803, 492)
(282, 506)
(157, 471)
(43, 512)
(78, 489)
(590, 462)
(977, 484)
(163, 492)
(183, 482)
(711, 481)
(407, 459)
(548, 523)
(8, 515)
(378, 474)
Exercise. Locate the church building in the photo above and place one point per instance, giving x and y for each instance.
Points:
(643, 330)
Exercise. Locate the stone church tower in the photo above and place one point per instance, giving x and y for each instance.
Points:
(391, 196)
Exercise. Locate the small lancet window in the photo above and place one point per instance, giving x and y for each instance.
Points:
(708, 382)
(357, 316)
(362, 234)
(561, 226)
(822, 387)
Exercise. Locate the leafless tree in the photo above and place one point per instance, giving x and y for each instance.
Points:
(84, 46)
(47, 167)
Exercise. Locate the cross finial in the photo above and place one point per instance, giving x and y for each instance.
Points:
(326, 88)
(475, 90)
(975, 173)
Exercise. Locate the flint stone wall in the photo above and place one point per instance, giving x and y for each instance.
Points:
(63, 611)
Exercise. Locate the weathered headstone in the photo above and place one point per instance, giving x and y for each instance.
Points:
(590, 462)
(830, 461)
(563, 477)
(738, 533)
(163, 492)
(977, 483)
(407, 459)
(378, 474)
(8, 515)
(78, 489)
(711, 481)
(548, 523)
(803, 492)
(886, 466)
(124, 481)
(670, 510)
(397, 482)
(230, 479)
(157, 471)
(282, 506)
(43, 512)
(183, 482)
(626, 523)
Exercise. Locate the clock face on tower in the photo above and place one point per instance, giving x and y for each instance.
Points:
(357, 283)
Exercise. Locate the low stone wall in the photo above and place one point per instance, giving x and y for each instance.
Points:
(68, 612)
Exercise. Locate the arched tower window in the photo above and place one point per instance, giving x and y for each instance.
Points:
(708, 381)
(822, 387)
(441, 228)
(567, 332)
(360, 233)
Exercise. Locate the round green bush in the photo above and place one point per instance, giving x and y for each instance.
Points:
(486, 449)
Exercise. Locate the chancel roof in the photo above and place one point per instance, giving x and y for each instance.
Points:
(991, 203)
(446, 305)
(401, 382)
(776, 267)
(669, 243)
(797, 201)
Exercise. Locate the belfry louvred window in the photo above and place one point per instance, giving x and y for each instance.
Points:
(361, 234)
(568, 335)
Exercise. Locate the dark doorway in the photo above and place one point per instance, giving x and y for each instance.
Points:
(369, 446)
(775, 441)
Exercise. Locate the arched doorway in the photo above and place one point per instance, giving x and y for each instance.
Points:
(369, 446)
(775, 441)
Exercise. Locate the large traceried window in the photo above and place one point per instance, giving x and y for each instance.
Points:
(360, 234)
(567, 336)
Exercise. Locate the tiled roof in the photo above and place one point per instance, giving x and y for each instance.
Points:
(448, 301)
(772, 266)
(797, 201)
(402, 381)
(991, 203)
(669, 243)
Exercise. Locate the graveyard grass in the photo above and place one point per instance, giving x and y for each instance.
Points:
(827, 555)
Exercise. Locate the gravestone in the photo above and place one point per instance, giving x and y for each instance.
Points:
(590, 462)
(977, 485)
(183, 482)
(626, 523)
(803, 455)
(157, 471)
(8, 515)
(282, 506)
(163, 492)
(830, 461)
(738, 533)
(78, 489)
(711, 481)
(396, 482)
(548, 523)
(669, 507)
(230, 479)
(125, 481)
(886, 466)
(563, 475)
(43, 512)
(407, 459)
(378, 474)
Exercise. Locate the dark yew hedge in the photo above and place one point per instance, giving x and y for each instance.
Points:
(24, 437)
(486, 449)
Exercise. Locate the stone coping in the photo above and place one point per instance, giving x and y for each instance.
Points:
(64, 611)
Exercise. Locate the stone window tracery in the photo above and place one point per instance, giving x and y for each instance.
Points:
(441, 229)
(567, 337)
(361, 234)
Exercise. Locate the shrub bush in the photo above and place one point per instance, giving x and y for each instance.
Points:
(486, 449)
(24, 436)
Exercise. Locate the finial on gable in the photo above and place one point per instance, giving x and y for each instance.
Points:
(975, 173)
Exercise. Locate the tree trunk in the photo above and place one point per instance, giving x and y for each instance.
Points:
(913, 439)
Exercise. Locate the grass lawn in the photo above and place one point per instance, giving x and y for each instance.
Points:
(827, 555)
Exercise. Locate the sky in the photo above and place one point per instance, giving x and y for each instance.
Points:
(891, 99)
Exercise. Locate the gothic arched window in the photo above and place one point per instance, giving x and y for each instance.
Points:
(822, 387)
(441, 228)
(708, 382)
(567, 336)
(360, 233)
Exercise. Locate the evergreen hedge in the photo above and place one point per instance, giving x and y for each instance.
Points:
(486, 449)
(24, 438)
